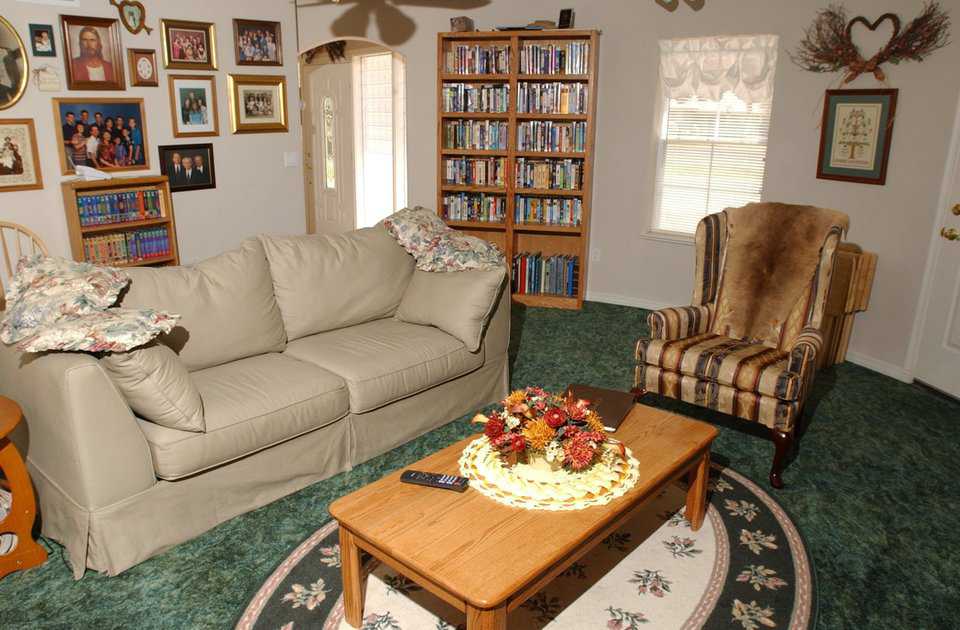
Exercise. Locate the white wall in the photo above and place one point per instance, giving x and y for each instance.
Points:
(893, 220)
(255, 192)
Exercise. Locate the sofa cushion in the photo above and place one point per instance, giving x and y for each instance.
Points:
(157, 386)
(226, 302)
(323, 282)
(468, 299)
(249, 405)
(386, 360)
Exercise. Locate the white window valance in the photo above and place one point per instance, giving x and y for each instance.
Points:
(707, 67)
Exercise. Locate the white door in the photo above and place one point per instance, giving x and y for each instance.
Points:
(329, 143)
(938, 361)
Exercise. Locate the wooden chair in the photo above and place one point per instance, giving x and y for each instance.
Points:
(16, 242)
(23, 509)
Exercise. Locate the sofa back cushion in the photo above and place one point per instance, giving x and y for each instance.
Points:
(227, 307)
(325, 282)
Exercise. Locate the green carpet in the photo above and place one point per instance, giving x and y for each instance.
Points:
(873, 489)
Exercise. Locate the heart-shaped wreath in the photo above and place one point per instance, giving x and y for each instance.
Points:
(828, 45)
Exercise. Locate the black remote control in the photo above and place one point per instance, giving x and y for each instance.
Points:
(435, 480)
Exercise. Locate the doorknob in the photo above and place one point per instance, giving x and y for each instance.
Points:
(956, 209)
(951, 234)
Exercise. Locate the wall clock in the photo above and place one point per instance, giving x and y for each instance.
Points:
(132, 15)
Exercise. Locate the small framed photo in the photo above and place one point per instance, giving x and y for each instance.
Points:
(258, 103)
(94, 60)
(143, 67)
(19, 160)
(189, 45)
(855, 135)
(193, 105)
(188, 166)
(109, 134)
(257, 43)
(42, 40)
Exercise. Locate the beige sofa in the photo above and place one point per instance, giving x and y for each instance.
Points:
(303, 372)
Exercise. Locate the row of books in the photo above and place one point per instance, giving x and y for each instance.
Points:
(473, 97)
(571, 58)
(547, 135)
(552, 98)
(552, 275)
(119, 207)
(477, 59)
(474, 207)
(125, 247)
(475, 134)
(566, 211)
(557, 174)
(474, 171)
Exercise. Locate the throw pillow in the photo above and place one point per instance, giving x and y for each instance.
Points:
(459, 303)
(157, 386)
(112, 330)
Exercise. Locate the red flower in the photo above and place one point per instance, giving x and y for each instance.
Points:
(518, 443)
(579, 452)
(494, 428)
(555, 418)
(576, 412)
(502, 442)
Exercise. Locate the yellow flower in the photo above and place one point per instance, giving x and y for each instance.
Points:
(515, 398)
(538, 434)
(594, 421)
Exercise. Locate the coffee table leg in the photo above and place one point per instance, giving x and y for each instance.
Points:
(352, 578)
(697, 494)
(486, 619)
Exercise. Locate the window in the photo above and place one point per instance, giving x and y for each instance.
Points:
(712, 142)
(329, 149)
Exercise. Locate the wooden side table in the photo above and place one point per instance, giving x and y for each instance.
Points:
(23, 508)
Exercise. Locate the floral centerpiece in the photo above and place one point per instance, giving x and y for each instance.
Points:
(534, 424)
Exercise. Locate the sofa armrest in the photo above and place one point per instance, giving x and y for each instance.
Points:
(497, 338)
(679, 322)
(80, 433)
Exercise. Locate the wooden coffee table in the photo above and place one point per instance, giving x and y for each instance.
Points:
(486, 558)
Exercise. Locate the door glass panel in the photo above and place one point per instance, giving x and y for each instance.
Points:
(329, 155)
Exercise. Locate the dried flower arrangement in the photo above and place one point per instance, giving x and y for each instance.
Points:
(827, 45)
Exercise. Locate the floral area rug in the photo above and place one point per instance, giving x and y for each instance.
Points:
(745, 569)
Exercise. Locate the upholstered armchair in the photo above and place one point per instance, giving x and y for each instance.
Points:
(748, 344)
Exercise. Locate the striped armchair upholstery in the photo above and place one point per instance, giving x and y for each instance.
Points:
(748, 344)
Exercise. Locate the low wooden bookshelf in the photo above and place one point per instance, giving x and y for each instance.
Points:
(477, 67)
(122, 222)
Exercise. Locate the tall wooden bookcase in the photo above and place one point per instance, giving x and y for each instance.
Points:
(513, 236)
(124, 221)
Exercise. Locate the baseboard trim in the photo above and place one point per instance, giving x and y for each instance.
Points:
(887, 369)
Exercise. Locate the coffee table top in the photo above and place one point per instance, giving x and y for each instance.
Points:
(482, 551)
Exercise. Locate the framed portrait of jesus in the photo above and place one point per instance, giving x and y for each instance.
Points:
(92, 54)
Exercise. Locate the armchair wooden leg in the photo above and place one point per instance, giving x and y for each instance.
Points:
(783, 444)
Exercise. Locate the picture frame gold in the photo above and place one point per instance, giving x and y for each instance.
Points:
(29, 136)
(177, 123)
(8, 32)
(175, 57)
(258, 103)
(107, 34)
(134, 56)
(62, 105)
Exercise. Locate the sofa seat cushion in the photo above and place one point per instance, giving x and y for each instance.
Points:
(249, 404)
(386, 359)
(745, 366)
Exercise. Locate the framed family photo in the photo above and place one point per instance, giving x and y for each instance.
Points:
(42, 40)
(93, 57)
(143, 67)
(13, 61)
(193, 105)
(189, 45)
(19, 160)
(188, 166)
(257, 43)
(258, 103)
(109, 134)
(855, 135)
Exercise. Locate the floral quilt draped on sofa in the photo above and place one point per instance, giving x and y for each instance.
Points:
(437, 247)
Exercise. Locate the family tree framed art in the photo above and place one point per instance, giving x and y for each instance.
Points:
(855, 135)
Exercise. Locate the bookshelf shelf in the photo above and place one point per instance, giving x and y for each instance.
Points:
(148, 236)
(553, 255)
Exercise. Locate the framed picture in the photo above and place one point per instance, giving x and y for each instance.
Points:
(258, 103)
(189, 45)
(193, 105)
(855, 135)
(257, 43)
(188, 166)
(94, 60)
(143, 67)
(109, 134)
(13, 60)
(42, 40)
(19, 160)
